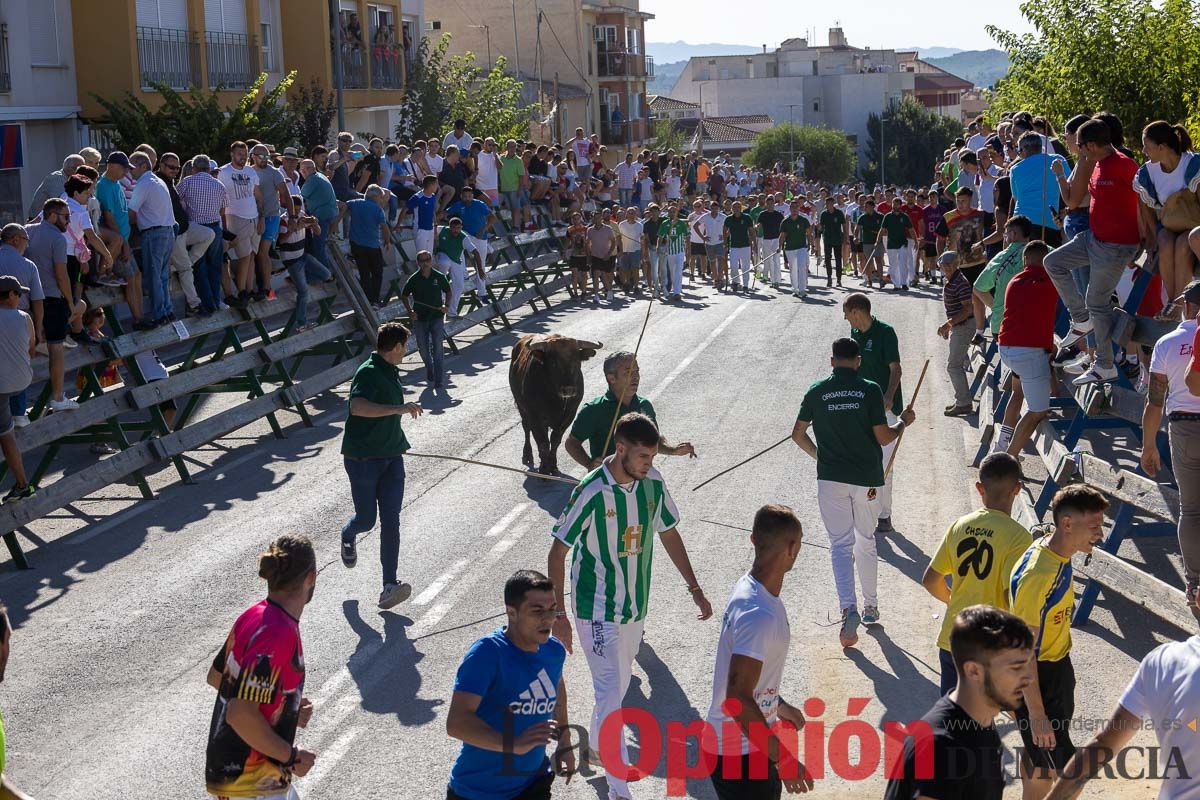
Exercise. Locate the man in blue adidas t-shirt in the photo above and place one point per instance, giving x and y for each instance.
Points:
(424, 203)
(510, 702)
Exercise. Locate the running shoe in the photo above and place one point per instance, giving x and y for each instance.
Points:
(66, 404)
(850, 622)
(884, 525)
(870, 615)
(1096, 374)
(394, 594)
(20, 420)
(19, 493)
(1064, 355)
(959, 411)
(1079, 364)
(1078, 331)
(349, 552)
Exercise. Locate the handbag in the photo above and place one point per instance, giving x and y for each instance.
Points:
(1181, 212)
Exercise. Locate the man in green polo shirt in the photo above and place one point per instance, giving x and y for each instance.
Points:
(846, 413)
(870, 223)
(739, 236)
(898, 230)
(795, 232)
(429, 291)
(454, 251)
(373, 448)
(8, 789)
(596, 417)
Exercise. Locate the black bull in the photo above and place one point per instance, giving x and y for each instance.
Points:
(547, 384)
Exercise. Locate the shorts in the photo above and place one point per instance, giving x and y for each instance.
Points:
(1056, 679)
(579, 263)
(56, 313)
(602, 264)
(631, 261)
(538, 790)
(972, 272)
(515, 200)
(270, 228)
(698, 249)
(245, 235)
(491, 195)
(1032, 366)
(124, 268)
(714, 250)
(929, 249)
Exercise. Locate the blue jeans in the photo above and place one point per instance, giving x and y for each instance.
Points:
(429, 343)
(301, 271)
(17, 403)
(1075, 223)
(207, 271)
(319, 241)
(377, 488)
(626, 196)
(949, 673)
(157, 245)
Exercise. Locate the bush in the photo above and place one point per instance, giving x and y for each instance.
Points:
(915, 138)
(827, 153)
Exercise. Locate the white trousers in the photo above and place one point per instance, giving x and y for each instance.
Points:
(457, 272)
(798, 265)
(850, 520)
(883, 495)
(190, 247)
(609, 648)
(675, 264)
(480, 246)
(769, 252)
(422, 240)
(739, 264)
(900, 263)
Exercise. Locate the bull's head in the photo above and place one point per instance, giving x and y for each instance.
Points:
(565, 354)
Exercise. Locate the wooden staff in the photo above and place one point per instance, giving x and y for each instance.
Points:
(617, 413)
(740, 463)
(526, 473)
(911, 401)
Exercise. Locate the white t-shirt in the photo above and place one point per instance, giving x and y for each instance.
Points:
(80, 222)
(627, 174)
(239, 190)
(987, 189)
(647, 189)
(783, 208)
(672, 183)
(435, 163)
(580, 146)
(755, 625)
(1172, 355)
(631, 236)
(713, 227)
(1168, 183)
(692, 219)
(1166, 691)
(487, 177)
(732, 190)
(977, 142)
(463, 142)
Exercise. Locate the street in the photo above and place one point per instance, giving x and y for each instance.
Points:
(114, 631)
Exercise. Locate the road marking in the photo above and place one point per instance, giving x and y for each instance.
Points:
(434, 589)
(687, 361)
(507, 520)
(328, 758)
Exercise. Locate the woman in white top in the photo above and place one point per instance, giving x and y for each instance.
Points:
(1171, 168)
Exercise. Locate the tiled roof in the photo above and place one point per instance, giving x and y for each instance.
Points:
(660, 102)
(716, 129)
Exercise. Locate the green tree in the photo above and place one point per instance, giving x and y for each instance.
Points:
(668, 137)
(194, 122)
(315, 109)
(828, 155)
(914, 138)
(1137, 58)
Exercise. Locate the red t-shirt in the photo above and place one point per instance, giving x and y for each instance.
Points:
(1030, 307)
(1114, 207)
(916, 214)
(884, 207)
(261, 661)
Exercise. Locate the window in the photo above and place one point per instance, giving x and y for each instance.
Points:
(169, 14)
(815, 63)
(268, 55)
(606, 36)
(225, 16)
(633, 40)
(772, 69)
(817, 104)
(43, 35)
(603, 96)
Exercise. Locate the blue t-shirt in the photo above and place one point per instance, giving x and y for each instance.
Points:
(426, 207)
(319, 197)
(519, 689)
(1035, 188)
(474, 216)
(365, 218)
(112, 199)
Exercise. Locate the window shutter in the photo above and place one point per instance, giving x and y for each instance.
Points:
(170, 14)
(43, 34)
(225, 16)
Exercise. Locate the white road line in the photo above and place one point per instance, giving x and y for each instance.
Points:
(501, 526)
(434, 589)
(687, 362)
(328, 758)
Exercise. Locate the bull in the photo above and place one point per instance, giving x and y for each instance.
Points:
(546, 378)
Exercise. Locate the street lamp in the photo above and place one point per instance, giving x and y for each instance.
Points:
(487, 32)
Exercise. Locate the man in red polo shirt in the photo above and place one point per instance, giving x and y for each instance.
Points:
(1026, 338)
(1107, 246)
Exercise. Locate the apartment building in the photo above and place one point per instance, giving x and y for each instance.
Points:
(590, 54)
(934, 87)
(38, 102)
(227, 44)
(835, 85)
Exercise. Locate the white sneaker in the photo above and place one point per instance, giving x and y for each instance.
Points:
(1077, 332)
(21, 420)
(66, 404)
(1096, 374)
(69, 343)
(1079, 364)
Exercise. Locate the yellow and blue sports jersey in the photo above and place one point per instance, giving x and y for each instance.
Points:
(1043, 596)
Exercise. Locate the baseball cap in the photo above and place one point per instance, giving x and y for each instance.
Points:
(8, 283)
(1191, 294)
(291, 152)
(117, 157)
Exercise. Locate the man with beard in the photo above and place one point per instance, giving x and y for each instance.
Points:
(992, 650)
(609, 527)
(259, 678)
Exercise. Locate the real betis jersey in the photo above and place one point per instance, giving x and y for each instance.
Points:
(611, 529)
(676, 234)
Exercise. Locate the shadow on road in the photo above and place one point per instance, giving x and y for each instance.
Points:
(902, 689)
(904, 555)
(385, 668)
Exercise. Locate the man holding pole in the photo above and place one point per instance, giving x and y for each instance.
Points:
(879, 349)
(847, 414)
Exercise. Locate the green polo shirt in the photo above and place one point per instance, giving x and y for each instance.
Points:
(795, 233)
(428, 294)
(843, 410)
(879, 347)
(596, 418)
(833, 226)
(375, 437)
(995, 277)
(868, 227)
(897, 225)
(451, 245)
(739, 230)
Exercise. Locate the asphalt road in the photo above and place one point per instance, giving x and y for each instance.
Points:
(106, 697)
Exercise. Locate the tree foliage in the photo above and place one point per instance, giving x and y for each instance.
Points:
(443, 88)
(668, 137)
(914, 138)
(194, 122)
(1137, 58)
(828, 155)
(314, 108)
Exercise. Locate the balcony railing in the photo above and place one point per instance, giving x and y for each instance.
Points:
(232, 60)
(168, 56)
(385, 66)
(624, 65)
(354, 64)
(5, 76)
(628, 132)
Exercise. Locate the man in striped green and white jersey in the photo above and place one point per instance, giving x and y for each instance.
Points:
(609, 526)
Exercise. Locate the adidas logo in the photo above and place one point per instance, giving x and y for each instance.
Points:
(540, 698)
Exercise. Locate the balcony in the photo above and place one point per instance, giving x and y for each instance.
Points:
(629, 132)
(624, 65)
(354, 64)
(232, 60)
(167, 56)
(386, 72)
(5, 76)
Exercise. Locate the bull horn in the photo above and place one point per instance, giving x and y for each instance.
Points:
(584, 344)
(538, 346)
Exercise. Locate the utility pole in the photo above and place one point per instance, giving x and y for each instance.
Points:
(487, 32)
(517, 46)
(882, 148)
(792, 135)
(335, 29)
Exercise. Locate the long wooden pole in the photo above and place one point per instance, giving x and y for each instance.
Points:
(625, 386)
(526, 473)
(740, 463)
(911, 401)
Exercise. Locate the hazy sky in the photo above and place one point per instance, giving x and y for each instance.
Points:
(867, 23)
